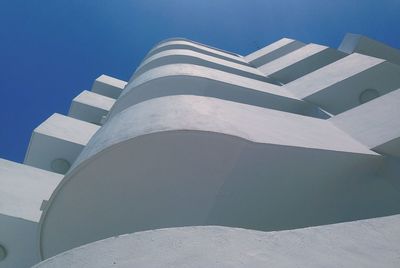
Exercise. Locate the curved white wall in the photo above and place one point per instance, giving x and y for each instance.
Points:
(187, 44)
(198, 137)
(192, 57)
(188, 160)
(189, 79)
(368, 243)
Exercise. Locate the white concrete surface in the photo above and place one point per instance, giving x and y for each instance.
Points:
(226, 52)
(188, 79)
(332, 74)
(108, 86)
(300, 62)
(201, 48)
(374, 123)
(183, 112)
(191, 57)
(186, 160)
(18, 237)
(210, 73)
(273, 51)
(90, 107)
(368, 243)
(361, 44)
(22, 190)
(59, 137)
(337, 86)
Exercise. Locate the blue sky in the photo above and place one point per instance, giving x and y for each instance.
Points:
(51, 50)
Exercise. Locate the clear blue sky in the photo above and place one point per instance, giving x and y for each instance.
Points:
(51, 50)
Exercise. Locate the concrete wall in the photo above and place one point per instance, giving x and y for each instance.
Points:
(22, 191)
(367, 243)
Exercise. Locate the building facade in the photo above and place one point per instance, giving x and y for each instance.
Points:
(237, 156)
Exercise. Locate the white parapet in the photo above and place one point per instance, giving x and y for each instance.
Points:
(375, 123)
(189, 79)
(273, 51)
(341, 85)
(108, 86)
(184, 56)
(57, 142)
(90, 107)
(179, 43)
(364, 45)
(361, 244)
(300, 62)
(22, 192)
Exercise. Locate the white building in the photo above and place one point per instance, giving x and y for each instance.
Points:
(223, 150)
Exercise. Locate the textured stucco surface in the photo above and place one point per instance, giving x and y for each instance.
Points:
(367, 243)
(95, 100)
(375, 122)
(192, 57)
(185, 44)
(226, 166)
(273, 51)
(367, 46)
(210, 114)
(331, 74)
(108, 86)
(189, 79)
(59, 137)
(291, 58)
(23, 188)
(66, 128)
(90, 107)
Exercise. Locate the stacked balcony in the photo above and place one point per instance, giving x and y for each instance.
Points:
(290, 136)
(200, 137)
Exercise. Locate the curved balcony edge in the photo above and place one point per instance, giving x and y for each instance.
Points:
(183, 56)
(197, 43)
(166, 150)
(182, 44)
(207, 245)
(188, 79)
